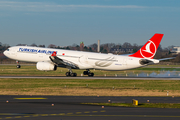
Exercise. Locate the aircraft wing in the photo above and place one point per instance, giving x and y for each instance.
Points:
(59, 61)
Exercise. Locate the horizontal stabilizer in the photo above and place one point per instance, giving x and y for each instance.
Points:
(167, 58)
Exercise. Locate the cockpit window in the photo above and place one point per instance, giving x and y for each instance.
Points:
(7, 49)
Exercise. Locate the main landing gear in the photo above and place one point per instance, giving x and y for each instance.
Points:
(87, 72)
(70, 73)
(18, 66)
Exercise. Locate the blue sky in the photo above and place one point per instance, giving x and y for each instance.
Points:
(65, 22)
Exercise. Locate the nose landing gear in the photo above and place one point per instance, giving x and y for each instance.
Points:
(18, 66)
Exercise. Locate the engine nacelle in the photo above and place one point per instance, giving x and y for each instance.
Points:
(46, 66)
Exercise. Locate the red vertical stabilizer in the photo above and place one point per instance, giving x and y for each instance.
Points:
(150, 48)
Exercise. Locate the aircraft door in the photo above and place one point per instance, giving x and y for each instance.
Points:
(124, 61)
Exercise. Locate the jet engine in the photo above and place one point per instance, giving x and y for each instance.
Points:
(46, 66)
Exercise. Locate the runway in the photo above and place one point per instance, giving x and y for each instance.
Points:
(70, 107)
(99, 77)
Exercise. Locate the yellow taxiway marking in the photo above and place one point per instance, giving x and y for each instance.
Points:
(5, 114)
(30, 98)
(18, 116)
(69, 113)
(78, 112)
(87, 112)
(8, 117)
(53, 114)
(102, 111)
(61, 113)
(130, 116)
(94, 111)
(12, 114)
(44, 114)
(64, 114)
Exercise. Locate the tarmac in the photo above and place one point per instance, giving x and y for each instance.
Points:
(70, 108)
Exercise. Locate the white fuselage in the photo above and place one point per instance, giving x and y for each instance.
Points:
(84, 60)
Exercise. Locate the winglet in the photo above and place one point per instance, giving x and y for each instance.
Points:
(54, 53)
(150, 48)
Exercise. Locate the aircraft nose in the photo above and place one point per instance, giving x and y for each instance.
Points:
(5, 53)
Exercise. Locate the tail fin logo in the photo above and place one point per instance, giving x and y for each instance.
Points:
(54, 53)
(148, 50)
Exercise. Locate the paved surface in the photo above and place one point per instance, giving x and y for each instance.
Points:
(69, 108)
(114, 78)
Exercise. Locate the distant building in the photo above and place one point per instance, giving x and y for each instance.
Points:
(81, 45)
(175, 50)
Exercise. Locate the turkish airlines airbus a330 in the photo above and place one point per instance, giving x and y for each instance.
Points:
(49, 59)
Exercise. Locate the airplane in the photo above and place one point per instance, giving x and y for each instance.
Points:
(48, 59)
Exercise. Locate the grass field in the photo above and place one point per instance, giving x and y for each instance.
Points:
(146, 105)
(85, 87)
(89, 87)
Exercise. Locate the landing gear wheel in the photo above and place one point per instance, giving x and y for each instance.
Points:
(68, 74)
(18, 66)
(73, 74)
(91, 74)
(87, 72)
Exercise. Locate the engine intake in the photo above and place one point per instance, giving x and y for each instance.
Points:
(46, 66)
